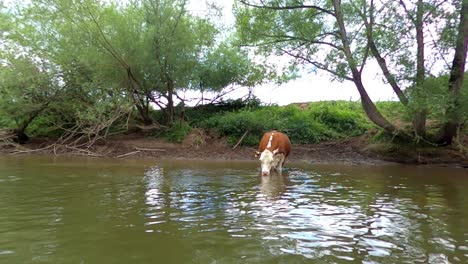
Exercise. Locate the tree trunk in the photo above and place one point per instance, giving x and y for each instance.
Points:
(144, 114)
(381, 60)
(369, 106)
(388, 76)
(20, 131)
(420, 115)
(140, 103)
(142, 107)
(453, 114)
(419, 122)
(170, 102)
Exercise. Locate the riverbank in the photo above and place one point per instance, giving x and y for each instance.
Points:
(355, 150)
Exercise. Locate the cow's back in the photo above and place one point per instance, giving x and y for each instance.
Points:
(278, 141)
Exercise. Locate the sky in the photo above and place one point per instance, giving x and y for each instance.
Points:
(310, 86)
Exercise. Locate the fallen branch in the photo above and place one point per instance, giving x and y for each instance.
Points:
(154, 126)
(240, 140)
(85, 151)
(85, 133)
(25, 150)
(128, 154)
(147, 149)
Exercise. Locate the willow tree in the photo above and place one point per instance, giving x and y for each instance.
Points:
(139, 53)
(341, 37)
(185, 54)
(229, 66)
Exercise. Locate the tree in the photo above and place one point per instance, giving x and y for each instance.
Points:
(279, 26)
(328, 36)
(416, 19)
(140, 52)
(397, 38)
(453, 113)
(188, 56)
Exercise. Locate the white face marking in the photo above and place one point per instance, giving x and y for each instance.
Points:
(271, 160)
(269, 141)
(266, 161)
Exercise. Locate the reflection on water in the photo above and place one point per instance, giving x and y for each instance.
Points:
(95, 211)
(274, 185)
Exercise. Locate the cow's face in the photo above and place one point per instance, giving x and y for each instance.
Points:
(267, 161)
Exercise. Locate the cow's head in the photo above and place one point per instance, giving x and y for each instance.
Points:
(268, 161)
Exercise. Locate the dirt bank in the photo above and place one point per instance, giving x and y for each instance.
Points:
(352, 151)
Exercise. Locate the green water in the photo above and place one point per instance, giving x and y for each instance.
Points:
(113, 211)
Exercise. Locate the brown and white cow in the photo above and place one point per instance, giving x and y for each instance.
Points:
(273, 149)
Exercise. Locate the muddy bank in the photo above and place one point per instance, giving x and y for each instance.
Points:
(351, 151)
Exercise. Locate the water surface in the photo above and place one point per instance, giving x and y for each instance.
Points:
(113, 211)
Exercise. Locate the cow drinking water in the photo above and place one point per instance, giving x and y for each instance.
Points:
(273, 149)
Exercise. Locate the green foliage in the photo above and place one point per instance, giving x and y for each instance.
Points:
(139, 51)
(5, 121)
(226, 65)
(198, 113)
(299, 33)
(394, 111)
(436, 98)
(343, 117)
(319, 122)
(26, 90)
(308, 35)
(42, 127)
(178, 132)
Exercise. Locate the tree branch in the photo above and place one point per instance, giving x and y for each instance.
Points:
(447, 64)
(317, 64)
(364, 60)
(435, 8)
(407, 12)
(286, 38)
(263, 6)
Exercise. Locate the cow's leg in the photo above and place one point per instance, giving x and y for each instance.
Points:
(279, 163)
(279, 168)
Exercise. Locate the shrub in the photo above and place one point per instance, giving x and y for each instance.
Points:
(178, 132)
(394, 110)
(344, 118)
(319, 122)
(201, 112)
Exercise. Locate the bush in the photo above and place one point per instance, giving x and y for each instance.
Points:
(394, 111)
(42, 127)
(5, 122)
(319, 122)
(344, 118)
(198, 113)
(178, 132)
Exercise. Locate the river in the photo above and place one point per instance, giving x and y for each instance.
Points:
(77, 210)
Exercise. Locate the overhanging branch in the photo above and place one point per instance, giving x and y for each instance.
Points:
(317, 64)
(288, 7)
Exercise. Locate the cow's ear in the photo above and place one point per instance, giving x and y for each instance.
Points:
(257, 154)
